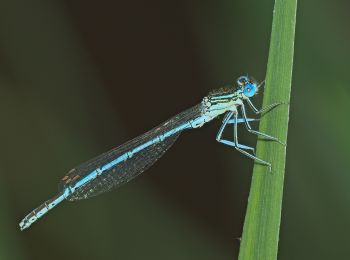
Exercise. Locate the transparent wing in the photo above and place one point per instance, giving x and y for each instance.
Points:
(124, 171)
(128, 169)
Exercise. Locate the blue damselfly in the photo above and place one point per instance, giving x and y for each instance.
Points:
(122, 164)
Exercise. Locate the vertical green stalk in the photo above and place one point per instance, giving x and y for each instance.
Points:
(263, 217)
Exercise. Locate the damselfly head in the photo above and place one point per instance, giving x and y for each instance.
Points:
(248, 86)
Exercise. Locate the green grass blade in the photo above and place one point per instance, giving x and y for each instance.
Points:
(262, 221)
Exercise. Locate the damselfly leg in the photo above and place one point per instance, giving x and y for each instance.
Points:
(239, 147)
(264, 109)
(250, 130)
(235, 137)
(227, 142)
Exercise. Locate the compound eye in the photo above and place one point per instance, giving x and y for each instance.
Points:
(249, 90)
(243, 80)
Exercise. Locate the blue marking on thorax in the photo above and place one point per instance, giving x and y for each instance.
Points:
(229, 96)
(219, 106)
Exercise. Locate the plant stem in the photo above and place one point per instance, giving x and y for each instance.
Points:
(263, 217)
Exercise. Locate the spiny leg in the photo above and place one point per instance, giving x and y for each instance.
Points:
(265, 109)
(235, 136)
(249, 128)
(227, 142)
(261, 84)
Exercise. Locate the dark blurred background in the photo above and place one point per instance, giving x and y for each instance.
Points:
(80, 77)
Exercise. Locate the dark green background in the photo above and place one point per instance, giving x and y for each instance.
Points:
(80, 77)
